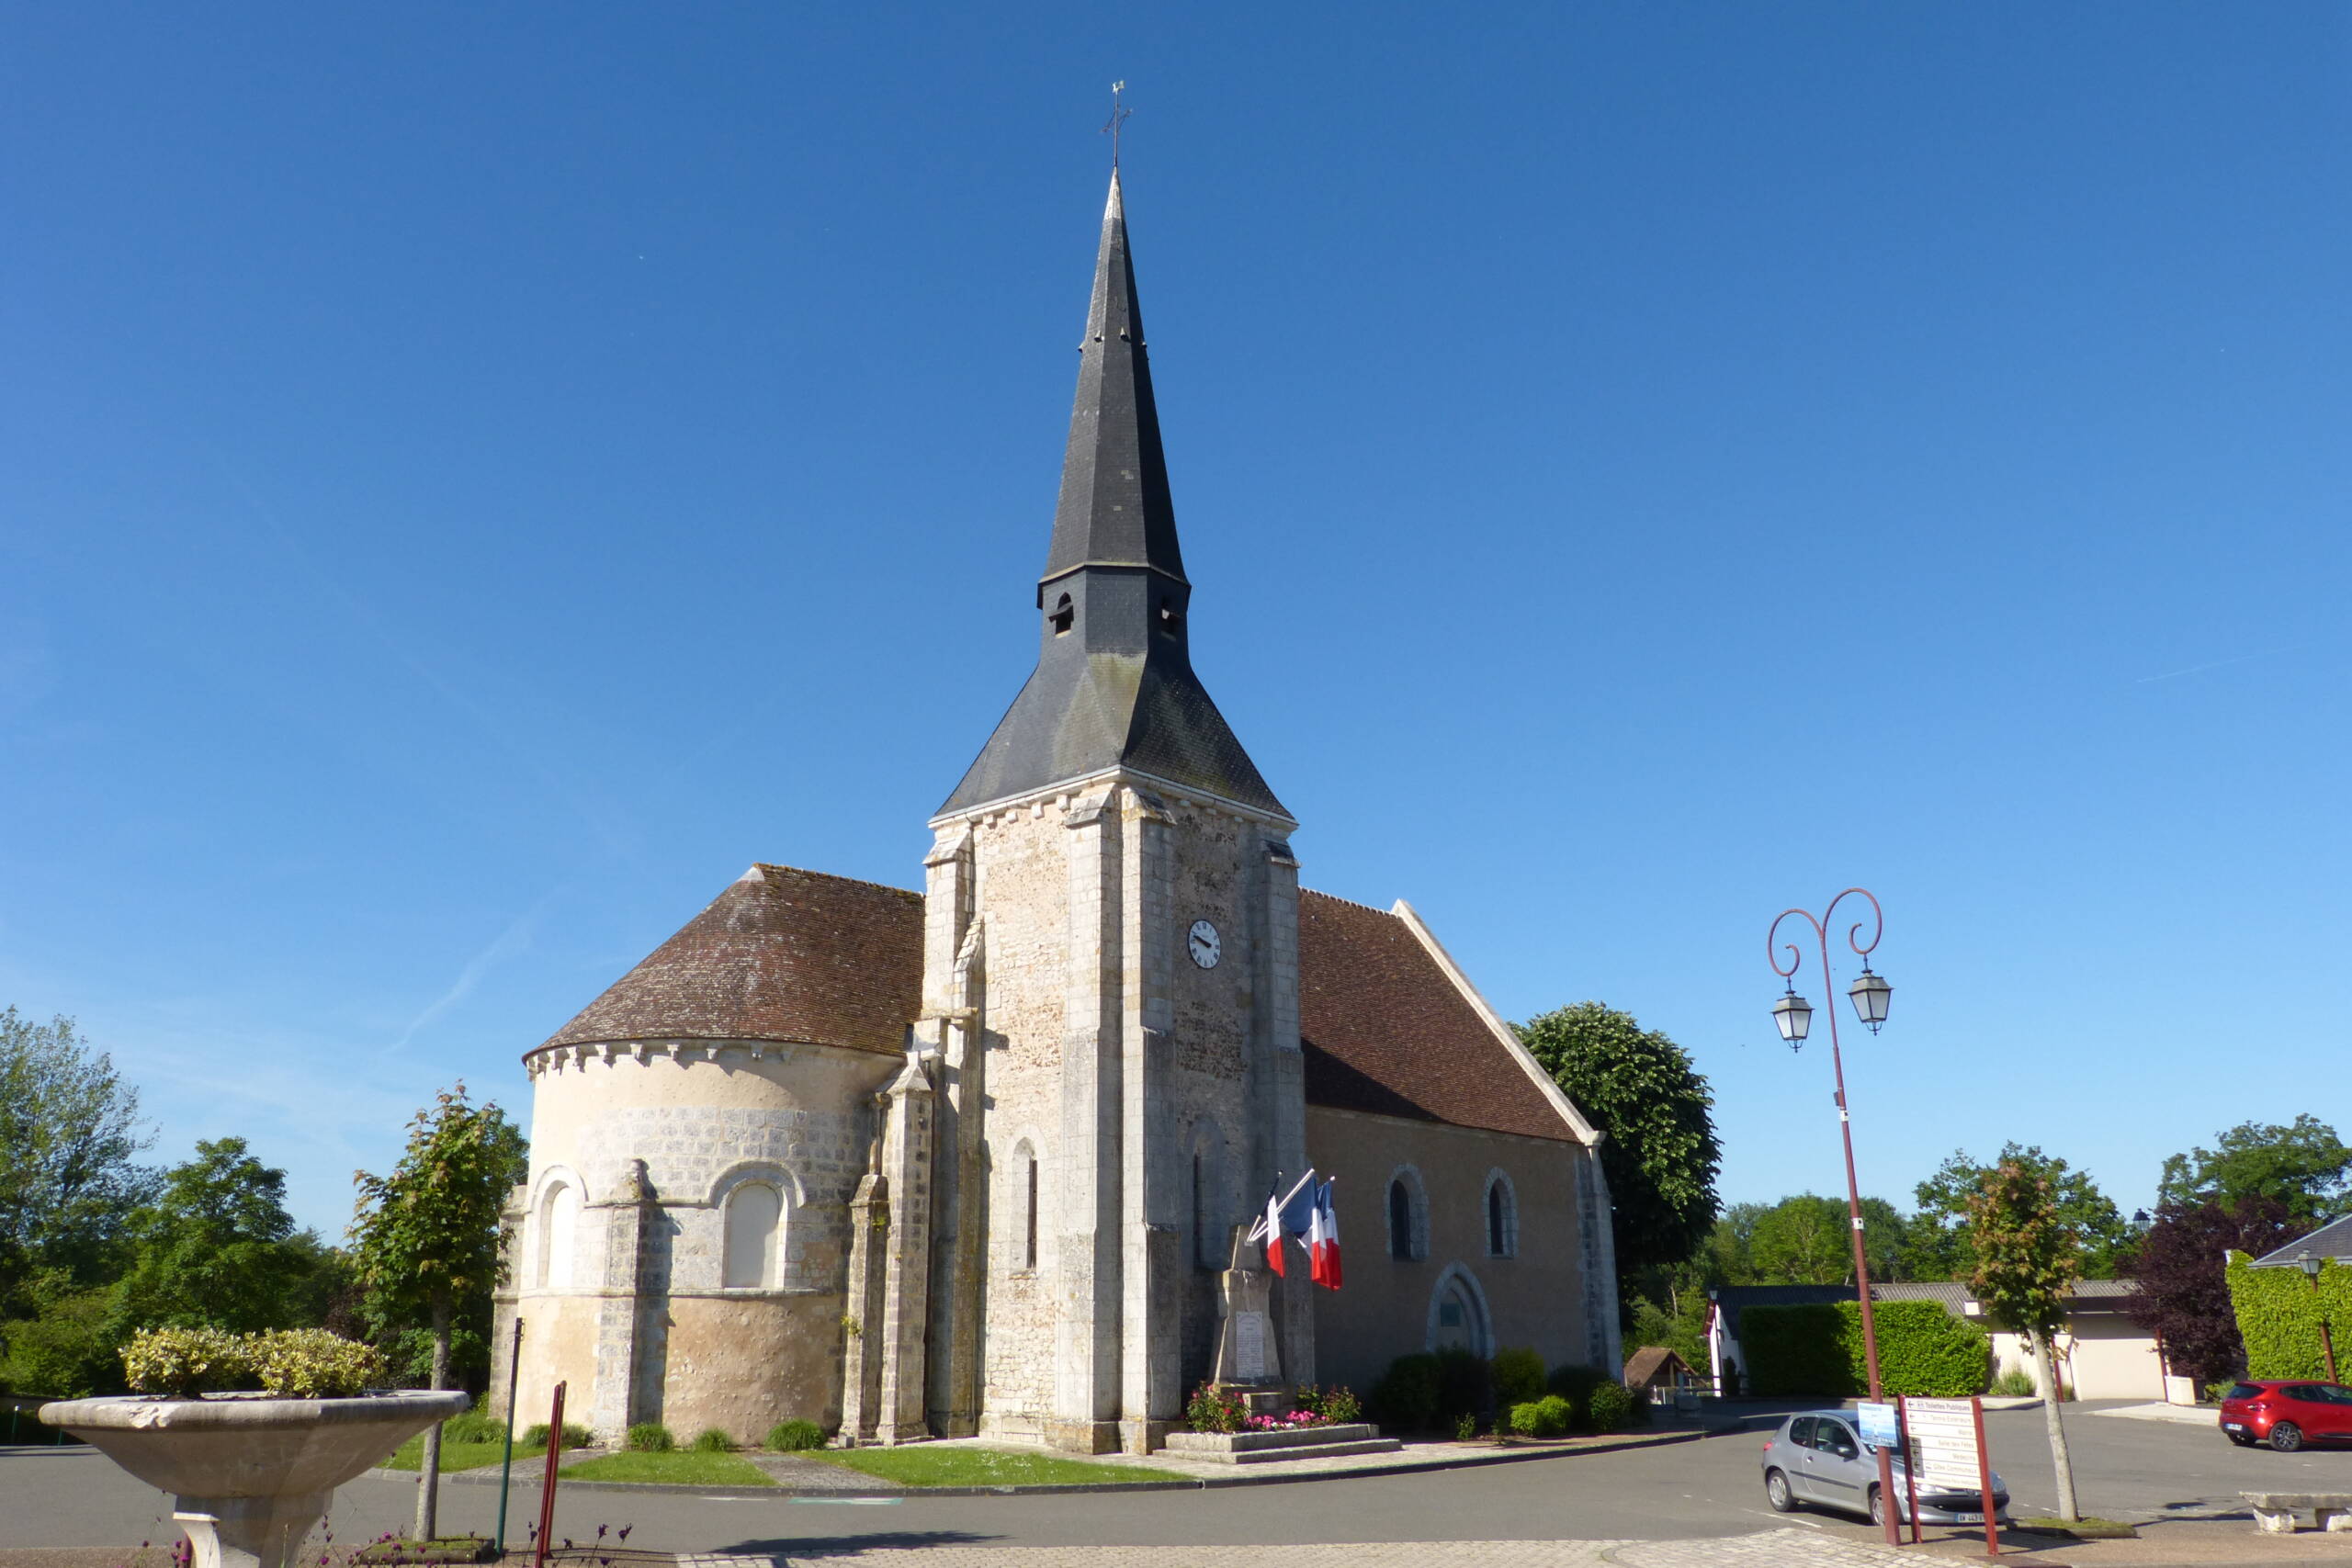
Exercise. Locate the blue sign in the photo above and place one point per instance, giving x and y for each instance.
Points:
(1877, 1423)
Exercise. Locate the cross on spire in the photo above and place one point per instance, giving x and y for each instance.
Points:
(1119, 113)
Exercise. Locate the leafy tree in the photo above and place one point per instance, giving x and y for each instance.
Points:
(1728, 1256)
(69, 1127)
(1679, 1324)
(2303, 1167)
(1807, 1240)
(1661, 1155)
(65, 1345)
(2026, 1261)
(1940, 1248)
(219, 1250)
(2182, 1269)
(427, 1239)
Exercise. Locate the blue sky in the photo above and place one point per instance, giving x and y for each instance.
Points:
(473, 479)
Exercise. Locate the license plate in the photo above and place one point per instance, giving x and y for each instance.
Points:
(2233, 1425)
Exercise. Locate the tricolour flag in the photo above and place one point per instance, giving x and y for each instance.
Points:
(1323, 1240)
(1273, 1228)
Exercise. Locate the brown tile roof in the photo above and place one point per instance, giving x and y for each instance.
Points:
(1387, 1030)
(1650, 1361)
(782, 955)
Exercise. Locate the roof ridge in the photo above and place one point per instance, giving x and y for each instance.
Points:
(1351, 903)
(834, 877)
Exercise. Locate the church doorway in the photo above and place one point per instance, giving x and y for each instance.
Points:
(1458, 1315)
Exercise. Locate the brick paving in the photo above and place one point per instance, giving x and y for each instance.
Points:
(1789, 1548)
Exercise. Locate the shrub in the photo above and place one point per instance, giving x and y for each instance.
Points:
(473, 1427)
(1549, 1417)
(1406, 1396)
(1337, 1403)
(1613, 1407)
(2014, 1382)
(1816, 1350)
(651, 1437)
(183, 1362)
(711, 1441)
(791, 1436)
(1215, 1409)
(310, 1363)
(1519, 1376)
(1463, 1384)
(1575, 1383)
(575, 1435)
(2279, 1310)
(1465, 1429)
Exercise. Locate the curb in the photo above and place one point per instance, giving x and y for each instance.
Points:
(1189, 1483)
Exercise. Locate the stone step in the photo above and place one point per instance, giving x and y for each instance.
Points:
(1209, 1445)
(1315, 1450)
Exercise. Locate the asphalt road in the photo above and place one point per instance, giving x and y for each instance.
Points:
(2124, 1468)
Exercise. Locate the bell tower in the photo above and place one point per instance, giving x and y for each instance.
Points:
(1110, 975)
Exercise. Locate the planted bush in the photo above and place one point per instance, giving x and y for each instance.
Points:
(711, 1441)
(1518, 1373)
(292, 1363)
(1463, 1384)
(1612, 1408)
(1816, 1350)
(792, 1437)
(575, 1435)
(1406, 1396)
(473, 1427)
(1337, 1403)
(1548, 1416)
(651, 1437)
(1575, 1382)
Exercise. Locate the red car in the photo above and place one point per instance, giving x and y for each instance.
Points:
(2286, 1414)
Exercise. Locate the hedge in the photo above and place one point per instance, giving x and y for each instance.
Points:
(2279, 1312)
(1923, 1351)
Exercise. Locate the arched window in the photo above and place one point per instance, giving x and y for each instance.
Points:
(1019, 1207)
(1502, 1217)
(755, 1212)
(1400, 1221)
(1064, 616)
(559, 1225)
(1029, 1220)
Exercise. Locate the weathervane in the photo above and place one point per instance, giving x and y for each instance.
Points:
(1119, 113)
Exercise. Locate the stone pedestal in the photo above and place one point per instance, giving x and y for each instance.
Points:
(1246, 1351)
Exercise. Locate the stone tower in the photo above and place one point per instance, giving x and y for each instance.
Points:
(1110, 979)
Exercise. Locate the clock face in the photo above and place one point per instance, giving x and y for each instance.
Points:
(1202, 944)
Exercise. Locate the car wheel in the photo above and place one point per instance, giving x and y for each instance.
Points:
(2286, 1436)
(1777, 1493)
(1878, 1507)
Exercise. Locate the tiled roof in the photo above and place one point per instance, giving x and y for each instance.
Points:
(1387, 1030)
(2333, 1240)
(1650, 1362)
(783, 955)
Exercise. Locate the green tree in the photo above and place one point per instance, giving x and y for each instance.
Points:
(1940, 1248)
(1728, 1256)
(1660, 1155)
(1807, 1240)
(2303, 1167)
(426, 1243)
(218, 1250)
(2027, 1260)
(69, 1128)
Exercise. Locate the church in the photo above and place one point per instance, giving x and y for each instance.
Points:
(975, 1160)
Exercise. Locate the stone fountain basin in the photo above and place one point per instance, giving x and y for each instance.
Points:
(250, 1445)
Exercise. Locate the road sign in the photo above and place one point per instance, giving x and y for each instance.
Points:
(1943, 1443)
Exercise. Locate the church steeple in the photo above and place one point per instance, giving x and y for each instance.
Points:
(1114, 686)
(1115, 509)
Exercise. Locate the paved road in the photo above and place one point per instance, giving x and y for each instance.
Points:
(1689, 1491)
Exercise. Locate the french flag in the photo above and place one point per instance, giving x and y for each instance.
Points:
(1273, 1227)
(1323, 1240)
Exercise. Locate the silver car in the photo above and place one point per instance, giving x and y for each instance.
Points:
(1815, 1458)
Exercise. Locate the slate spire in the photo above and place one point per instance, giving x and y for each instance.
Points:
(1114, 686)
(1115, 509)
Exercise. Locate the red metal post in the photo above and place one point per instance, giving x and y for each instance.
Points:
(547, 1487)
(2328, 1343)
(1910, 1461)
(1985, 1479)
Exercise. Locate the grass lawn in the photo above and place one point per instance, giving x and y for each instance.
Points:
(925, 1464)
(459, 1456)
(681, 1467)
(2087, 1528)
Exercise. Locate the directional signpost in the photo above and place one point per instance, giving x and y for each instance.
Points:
(1947, 1453)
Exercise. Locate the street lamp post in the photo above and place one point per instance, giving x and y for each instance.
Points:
(1793, 1017)
(2311, 1266)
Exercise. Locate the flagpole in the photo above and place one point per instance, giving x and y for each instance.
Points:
(1258, 1229)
